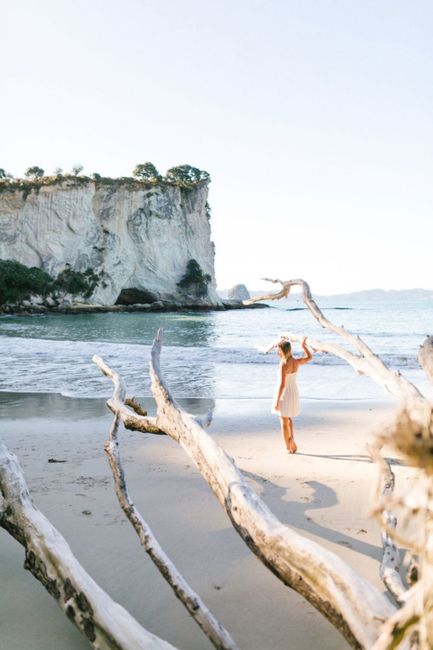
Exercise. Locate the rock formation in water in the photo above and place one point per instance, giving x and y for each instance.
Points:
(239, 292)
(137, 237)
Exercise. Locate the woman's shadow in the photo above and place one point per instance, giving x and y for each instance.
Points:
(294, 513)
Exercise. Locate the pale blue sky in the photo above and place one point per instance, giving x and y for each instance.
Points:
(314, 119)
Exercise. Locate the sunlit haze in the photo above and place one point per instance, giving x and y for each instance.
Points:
(314, 120)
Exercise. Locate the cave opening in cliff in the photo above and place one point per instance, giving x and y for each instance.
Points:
(134, 296)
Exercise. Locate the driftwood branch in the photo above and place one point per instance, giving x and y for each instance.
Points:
(399, 626)
(130, 418)
(425, 357)
(322, 578)
(105, 624)
(365, 361)
(188, 597)
(389, 567)
(352, 604)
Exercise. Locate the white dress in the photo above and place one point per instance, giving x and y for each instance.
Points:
(289, 402)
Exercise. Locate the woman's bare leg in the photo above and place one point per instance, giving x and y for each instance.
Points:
(287, 431)
(293, 447)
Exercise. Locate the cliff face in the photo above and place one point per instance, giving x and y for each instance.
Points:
(135, 237)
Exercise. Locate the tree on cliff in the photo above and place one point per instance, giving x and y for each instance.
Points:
(195, 279)
(34, 172)
(18, 282)
(76, 283)
(146, 172)
(77, 169)
(186, 176)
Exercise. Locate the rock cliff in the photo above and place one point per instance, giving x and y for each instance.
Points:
(138, 238)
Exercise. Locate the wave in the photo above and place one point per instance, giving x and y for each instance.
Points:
(65, 367)
(18, 347)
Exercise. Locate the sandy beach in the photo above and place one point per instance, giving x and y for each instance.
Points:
(324, 491)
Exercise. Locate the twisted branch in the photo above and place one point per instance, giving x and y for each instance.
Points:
(389, 567)
(105, 624)
(353, 605)
(367, 362)
(425, 357)
(188, 597)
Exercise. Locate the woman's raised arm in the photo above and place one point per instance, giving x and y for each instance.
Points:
(308, 353)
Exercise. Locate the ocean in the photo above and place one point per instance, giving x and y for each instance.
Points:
(208, 355)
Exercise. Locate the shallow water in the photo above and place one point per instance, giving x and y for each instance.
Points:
(206, 354)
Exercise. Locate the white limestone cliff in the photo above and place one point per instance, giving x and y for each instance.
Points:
(136, 237)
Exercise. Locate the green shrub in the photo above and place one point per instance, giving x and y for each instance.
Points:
(18, 282)
(186, 176)
(83, 284)
(147, 172)
(195, 279)
(34, 172)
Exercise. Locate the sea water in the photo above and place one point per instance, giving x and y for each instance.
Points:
(210, 354)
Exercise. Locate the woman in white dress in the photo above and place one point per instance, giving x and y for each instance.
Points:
(286, 400)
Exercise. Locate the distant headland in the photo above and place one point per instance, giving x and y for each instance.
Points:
(68, 239)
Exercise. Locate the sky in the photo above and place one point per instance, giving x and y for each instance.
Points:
(314, 119)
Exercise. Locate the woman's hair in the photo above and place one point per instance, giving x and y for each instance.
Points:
(286, 348)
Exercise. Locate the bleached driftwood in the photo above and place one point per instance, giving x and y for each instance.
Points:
(252, 519)
(106, 624)
(220, 638)
(354, 606)
(415, 505)
(365, 361)
(399, 626)
(389, 567)
(425, 357)
(130, 418)
(412, 434)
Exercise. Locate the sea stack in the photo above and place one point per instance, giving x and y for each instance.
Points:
(239, 292)
(137, 237)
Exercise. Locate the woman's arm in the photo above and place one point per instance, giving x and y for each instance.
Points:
(281, 388)
(308, 353)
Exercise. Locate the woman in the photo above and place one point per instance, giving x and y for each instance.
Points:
(286, 402)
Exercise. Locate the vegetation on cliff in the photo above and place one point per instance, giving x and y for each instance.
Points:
(194, 279)
(144, 175)
(18, 282)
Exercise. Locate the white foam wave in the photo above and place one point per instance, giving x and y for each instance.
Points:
(64, 366)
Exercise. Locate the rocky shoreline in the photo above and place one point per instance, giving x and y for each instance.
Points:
(28, 309)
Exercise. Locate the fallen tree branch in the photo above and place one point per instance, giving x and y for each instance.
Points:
(320, 576)
(105, 624)
(425, 357)
(188, 597)
(371, 364)
(354, 606)
(130, 418)
(249, 516)
(389, 567)
(399, 626)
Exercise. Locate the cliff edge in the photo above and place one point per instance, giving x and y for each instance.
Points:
(137, 238)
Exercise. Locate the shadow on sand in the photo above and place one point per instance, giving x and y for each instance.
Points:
(359, 458)
(294, 513)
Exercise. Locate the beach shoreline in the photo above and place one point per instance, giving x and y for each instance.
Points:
(156, 307)
(324, 492)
